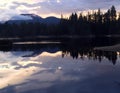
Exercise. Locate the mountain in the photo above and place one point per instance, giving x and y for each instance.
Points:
(33, 18)
(51, 20)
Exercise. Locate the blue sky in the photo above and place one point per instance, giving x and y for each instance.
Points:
(44, 8)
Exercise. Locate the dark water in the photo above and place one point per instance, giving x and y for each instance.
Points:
(61, 66)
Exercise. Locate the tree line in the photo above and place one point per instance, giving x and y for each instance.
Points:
(96, 23)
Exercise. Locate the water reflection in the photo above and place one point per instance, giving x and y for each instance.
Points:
(95, 55)
(74, 50)
(49, 72)
(68, 67)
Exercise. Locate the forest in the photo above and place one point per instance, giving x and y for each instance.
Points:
(97, 23)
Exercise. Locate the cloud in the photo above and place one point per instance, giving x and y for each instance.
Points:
(45, 8)
(21, 17)
(67, 6)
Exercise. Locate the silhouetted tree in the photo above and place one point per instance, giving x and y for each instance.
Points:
(113, 13)
(95, 23)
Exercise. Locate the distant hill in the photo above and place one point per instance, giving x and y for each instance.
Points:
(34, 18)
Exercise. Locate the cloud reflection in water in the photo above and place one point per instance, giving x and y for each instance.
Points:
(49, 71)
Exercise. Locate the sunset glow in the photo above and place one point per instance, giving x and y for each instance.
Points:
(45, 8)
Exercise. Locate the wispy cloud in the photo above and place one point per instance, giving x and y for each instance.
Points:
(10, 8)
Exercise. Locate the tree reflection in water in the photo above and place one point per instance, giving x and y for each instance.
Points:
(95, 55)
(75, 47)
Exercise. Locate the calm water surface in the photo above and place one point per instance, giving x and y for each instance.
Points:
(59, 68)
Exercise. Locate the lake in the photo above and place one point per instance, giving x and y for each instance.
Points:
(62, 66)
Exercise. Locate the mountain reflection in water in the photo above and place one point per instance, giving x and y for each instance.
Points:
(71, 66)
(76, 48)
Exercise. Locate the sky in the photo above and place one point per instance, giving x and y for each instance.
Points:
(44, 8)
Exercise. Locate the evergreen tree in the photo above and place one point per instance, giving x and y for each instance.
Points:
(113, 13)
